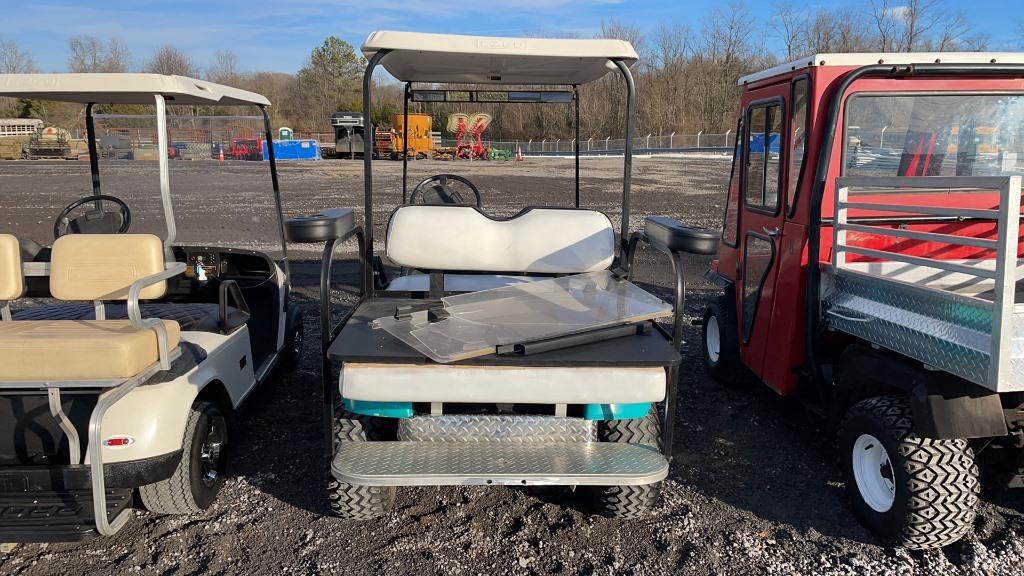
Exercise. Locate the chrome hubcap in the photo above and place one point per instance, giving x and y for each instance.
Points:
(873, 471)
(210, 455)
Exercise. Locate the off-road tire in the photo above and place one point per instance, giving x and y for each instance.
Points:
(727, 368)
(628, 501)
(349, 501)
(936, 481)
(294, 339)
(185, 492)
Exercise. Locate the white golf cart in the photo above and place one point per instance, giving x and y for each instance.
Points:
(122, 392)
(508, 351)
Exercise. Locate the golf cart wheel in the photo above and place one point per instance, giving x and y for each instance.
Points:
(628, 501)
(350, 501)
(294, 340)
(195, 482)
(914, 492)
(720, 341)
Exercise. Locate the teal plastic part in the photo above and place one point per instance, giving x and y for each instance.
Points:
(384, 409)
(616, 411)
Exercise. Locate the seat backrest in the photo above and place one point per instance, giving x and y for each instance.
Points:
(537, 240)
(12, 284)
(104, 266)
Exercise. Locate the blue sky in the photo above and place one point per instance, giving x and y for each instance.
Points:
(269, 35)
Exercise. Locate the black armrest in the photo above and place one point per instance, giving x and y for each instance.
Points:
(323, 227)
(232, 319)
(679, 237)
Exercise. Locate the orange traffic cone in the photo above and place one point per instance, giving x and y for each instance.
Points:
(222, 155)
(519, 154)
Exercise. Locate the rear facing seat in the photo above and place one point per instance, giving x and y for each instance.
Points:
(464, 239)
(190, 316)
(84, 267)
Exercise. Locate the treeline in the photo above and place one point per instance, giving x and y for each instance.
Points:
(686, 76)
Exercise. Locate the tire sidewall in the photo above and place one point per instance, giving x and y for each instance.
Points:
(202, 494)
(888, 525)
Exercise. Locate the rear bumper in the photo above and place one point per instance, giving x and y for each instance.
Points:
(117, 475)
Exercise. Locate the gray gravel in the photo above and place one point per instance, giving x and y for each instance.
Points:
(753, 487)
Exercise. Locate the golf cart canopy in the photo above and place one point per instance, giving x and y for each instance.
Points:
(419, 57)
(116, 88)
(895, 58)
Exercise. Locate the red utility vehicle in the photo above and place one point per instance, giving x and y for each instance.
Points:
(870, 260)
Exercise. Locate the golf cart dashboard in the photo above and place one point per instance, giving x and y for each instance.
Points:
(202, 265)
(212, 262)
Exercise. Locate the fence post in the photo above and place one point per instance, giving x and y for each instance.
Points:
(573, 146)
(556, 144)
(727, 137)
(671, 138)
(542, 142)
(606, 143)
(881, 143)
(589, 140)
(698, 138)
(529, 145)
(648, 145)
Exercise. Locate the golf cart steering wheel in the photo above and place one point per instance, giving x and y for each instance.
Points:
(96, 221)
(435, 190)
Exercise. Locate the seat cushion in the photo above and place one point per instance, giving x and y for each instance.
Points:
(78, 349)
(190, 316)
(535, 241)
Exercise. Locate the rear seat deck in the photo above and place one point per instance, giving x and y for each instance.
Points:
(359, 342)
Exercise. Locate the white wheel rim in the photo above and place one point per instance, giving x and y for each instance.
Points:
(712, 340)
(872, 469)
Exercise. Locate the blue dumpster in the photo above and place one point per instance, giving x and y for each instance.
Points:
(294, 150)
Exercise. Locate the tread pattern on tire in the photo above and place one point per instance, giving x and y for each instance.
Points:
(629, 501)
(943, 475)
(174, 495)
(348, 500)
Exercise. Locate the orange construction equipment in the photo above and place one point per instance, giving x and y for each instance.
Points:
(420, 141)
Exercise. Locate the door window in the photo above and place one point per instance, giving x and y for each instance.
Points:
(798, 139)
(761, 182)
(730, 226)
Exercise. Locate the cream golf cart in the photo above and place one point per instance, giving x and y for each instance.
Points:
(121, 391)
(498, 351)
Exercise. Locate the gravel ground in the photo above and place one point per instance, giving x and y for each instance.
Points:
(753, 488)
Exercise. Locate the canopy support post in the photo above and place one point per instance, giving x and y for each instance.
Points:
(165, 176)
(405, 140)
(576, 142)
(368, 169)
(277, 192)
(94, 158)
(628, 154)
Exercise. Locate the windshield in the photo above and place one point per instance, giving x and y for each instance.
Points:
(934, 135)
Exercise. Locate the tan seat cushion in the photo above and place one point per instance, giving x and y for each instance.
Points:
(103, 266)
(11, 284)
(77, 349)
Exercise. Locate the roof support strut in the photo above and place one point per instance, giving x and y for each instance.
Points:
(368, 168)
(277, 192)
(94, 158)
(628, 155)
(165, 176)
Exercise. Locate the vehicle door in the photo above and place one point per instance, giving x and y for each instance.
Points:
(761, 221)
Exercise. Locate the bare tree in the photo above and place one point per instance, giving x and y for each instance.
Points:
(223, 68)
(91, 54)
(14, 60)
(169, 59)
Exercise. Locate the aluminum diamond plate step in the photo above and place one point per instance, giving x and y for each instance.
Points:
(497, 428)
(451, 463)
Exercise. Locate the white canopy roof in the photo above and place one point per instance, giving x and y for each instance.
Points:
(110, 88)
(867, 58)
(419, 57)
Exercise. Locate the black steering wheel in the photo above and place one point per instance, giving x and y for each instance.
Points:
(96, 221)
(435, 190)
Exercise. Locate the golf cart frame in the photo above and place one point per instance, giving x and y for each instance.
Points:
(875, 287)
(216, 365)
(354, 342)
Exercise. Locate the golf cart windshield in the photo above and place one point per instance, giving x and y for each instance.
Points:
(934, 135)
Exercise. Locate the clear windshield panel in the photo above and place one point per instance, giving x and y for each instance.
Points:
(934, 135)
(218, 202)
(474, 324)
